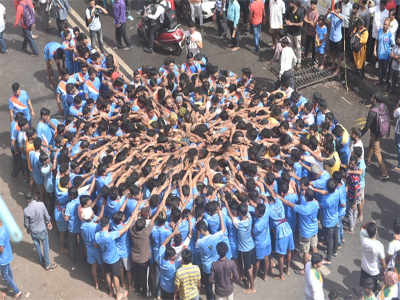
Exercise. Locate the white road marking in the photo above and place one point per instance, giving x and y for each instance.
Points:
(83, 26)
(347, 101)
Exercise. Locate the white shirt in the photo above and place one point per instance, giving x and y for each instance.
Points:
(372, 251)
(159, 13)
(288, 59)
(276, 11)
(95, 25)
(393, 247)
(379, 19)
(2, 16)
(346, 12)
(180, 248)
(394, 25)
(314, 286)
(194, 38)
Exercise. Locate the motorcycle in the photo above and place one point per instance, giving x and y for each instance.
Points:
(171, 40)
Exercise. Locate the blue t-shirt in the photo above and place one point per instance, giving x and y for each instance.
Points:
(308, 218)
(92, 88)
(158, 235)
(321, 31)
(71, 210)
(50, 49)
(35, 164)
(362, 167)
(6, 256)
(207, 248)
(289, 212)
(20, 104)
(385, 42)
(330, 209)
(212, 222)
(108, 247)
(88, 232)
(342, 199)
(278, 220)
(167, 271)
(123, 243)
(335, 34)
(262, 236)
(113, 206)
(244, 237)
(43, 130)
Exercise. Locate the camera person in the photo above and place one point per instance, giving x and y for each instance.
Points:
(154, 16)
(93, 23)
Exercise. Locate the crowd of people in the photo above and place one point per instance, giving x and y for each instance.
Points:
(189, 177)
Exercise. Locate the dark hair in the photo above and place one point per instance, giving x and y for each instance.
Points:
(371, 229)
(186, 256)
(222, 249)
(104, 221)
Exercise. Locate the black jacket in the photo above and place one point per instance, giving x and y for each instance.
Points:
(371, 124)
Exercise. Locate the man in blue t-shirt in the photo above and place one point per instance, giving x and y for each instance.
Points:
(207, 248)
(6, 256)
(20, 102)
(335, 19)
(246, 246)
(382, 50)
(105, 239)
(262, 237)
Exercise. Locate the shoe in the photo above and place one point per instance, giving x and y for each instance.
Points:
(396, 169)
(334, 254)
(35, 36)
(51, 267)
(235, 49)
(148, 50)
(385, 178)
(130, 18)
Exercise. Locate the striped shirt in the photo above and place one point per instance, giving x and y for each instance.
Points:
(187, 281)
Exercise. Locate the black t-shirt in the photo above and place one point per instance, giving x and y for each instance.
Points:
(296, 17)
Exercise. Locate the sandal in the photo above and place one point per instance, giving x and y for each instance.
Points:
(51, 267)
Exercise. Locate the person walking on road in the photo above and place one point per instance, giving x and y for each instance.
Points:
(6, 256)
(257, 14)
(3, 45)
(62, 9)
(119, 10)
(377, 112)
(37, 221)
(233, 16)
(25, 18)
(314, 281)
(93, 22)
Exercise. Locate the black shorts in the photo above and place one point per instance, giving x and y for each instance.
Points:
(364, 276)
(248, 259)
(114, 269)
(335, 47)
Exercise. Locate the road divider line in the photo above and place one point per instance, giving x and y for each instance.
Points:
(83, 26)
(345, 100)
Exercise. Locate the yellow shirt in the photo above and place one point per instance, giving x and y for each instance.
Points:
(187, 281)
(29, 147)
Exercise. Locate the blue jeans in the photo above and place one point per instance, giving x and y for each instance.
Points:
(27, 33)
(397, 141)
(8, 277)
(340, 231)
(257, 33)
(3, 45)
(41, 239)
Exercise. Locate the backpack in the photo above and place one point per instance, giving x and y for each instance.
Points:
(382, 120)
(355, 42)
(28, 16)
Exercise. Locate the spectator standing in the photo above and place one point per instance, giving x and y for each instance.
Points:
(94, 24)
(6, 257)
(347, 7)
(394, 24)
(3, 45)
(394, 245)
(364, 13)
(277, 10)
(233, 17)
(335, 19)
(196, 11)
(187, 278)
(380, 14)
(294, 20)
(321, 37)
(220, 17)
(361, 33)
(372, 255)
(314, 281)
(223, 273)
(395, 72)
(257, 12)
(194, 40)
(62, 9)
(25, 18)
(310, 23)
(287, 62)
(119, 10)
(37, 221)
(382, 49)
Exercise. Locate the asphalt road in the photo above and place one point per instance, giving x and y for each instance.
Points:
(70, 281)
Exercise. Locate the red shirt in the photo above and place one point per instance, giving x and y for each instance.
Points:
(19, 20)
(256, 12)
